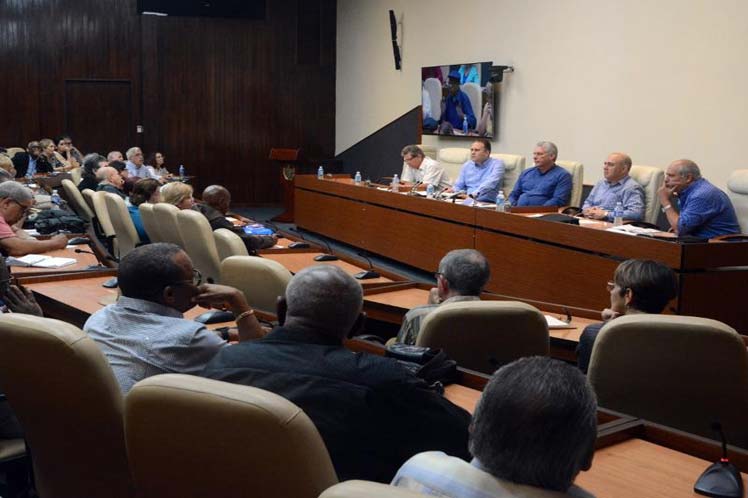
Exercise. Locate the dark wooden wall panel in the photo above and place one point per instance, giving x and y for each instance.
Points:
(213, 94)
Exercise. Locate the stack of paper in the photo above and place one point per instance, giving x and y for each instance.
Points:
(555, 323)
(40, 261)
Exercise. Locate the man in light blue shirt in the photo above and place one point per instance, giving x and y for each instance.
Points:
(547, 184)
(481, 176)
(616, 186)
(135, 165)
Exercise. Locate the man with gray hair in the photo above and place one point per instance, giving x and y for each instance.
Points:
(461, 276)
(705, 211)
(419, 168)
(371, 412)
(15, 202)
(533, 431)
(136, 166)
(547, 184)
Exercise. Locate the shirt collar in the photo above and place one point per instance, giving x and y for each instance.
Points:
(684, 193)
(134, 304)
(619, 182)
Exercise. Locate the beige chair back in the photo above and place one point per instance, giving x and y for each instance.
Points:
(199, 243)
(76, 200)
(434, 88)
(680, 371)
(166, 219)
(75, 175)
(188, 436)
(12, 151)
(651, 179)
(70, 406)
(514, 165)
(737, 191)
(104, 220)
(367, 489)
(473, 91)
(484, 335)
(261, 280)
(229, 244)
(452, 159)
(150, 224)
(88, 194)
(428, 150)
(576, 169)
(127, 235)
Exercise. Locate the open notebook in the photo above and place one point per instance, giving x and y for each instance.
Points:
(40, 261)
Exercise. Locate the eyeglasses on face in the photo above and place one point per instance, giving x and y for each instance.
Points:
(197, 279)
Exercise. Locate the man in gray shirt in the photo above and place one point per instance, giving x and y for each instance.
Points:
(145, 334)
(461, 277)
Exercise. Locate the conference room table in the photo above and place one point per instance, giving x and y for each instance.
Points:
(530, 257)
(84, 262)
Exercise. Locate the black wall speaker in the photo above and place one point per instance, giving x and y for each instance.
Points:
(245, 9)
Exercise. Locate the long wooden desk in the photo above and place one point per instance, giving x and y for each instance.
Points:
(530, 258)
(84, 262)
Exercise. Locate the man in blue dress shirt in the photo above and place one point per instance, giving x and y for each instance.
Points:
(456, 106)
(616, 186)
(481, 176)
(705, 211)
(547, 184)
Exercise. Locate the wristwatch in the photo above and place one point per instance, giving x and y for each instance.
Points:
(665, 208)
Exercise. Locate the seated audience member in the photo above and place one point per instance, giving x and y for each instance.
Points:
(461, 277)
(110, 181)
(31, 162)
(70, 154)
(370, 411)
(533, 431)
(5, 176)
(52, 157)
(456, 107)
(115, 155)
(145, 190)
(136, 166)
(547, 184)
(7, 165)
(156, 161)
(638, 286)
(616, 186)
(178, 194)
(15, 201)
(481, 176)
(128, 182)
(705, 211)
(215, 207)
(91, 164)
(144, 333)
(419, 168)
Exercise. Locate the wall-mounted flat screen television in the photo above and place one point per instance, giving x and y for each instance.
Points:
(458, 100)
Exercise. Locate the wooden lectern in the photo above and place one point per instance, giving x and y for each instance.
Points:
(292, 163)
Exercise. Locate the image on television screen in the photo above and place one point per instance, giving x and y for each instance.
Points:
(458, 100)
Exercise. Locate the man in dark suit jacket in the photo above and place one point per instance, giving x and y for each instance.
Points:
(215, 207)
(31, 158)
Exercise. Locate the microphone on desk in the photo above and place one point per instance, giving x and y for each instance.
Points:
(721, 479)
(83, 251)
(366, 274)
(414, 188)
(298, 245)
(453, 197)
(329, 256)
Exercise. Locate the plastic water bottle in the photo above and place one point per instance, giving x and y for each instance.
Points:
(55, 198)
(430, 191)
(500, 201)
(357, 178)
(618, 215)
(464, 125)
(181, 171)
(320, 172)
(395, 183)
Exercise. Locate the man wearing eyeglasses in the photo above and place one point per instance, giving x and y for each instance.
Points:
(144, 333)
(419, 168)
(15, 202)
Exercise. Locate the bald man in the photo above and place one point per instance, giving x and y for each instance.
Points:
(616, 186)
(215, 207)
(371, 412)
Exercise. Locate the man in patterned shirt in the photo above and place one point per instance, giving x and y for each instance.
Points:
(533, 431)
(705, 211)
(144, 332)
